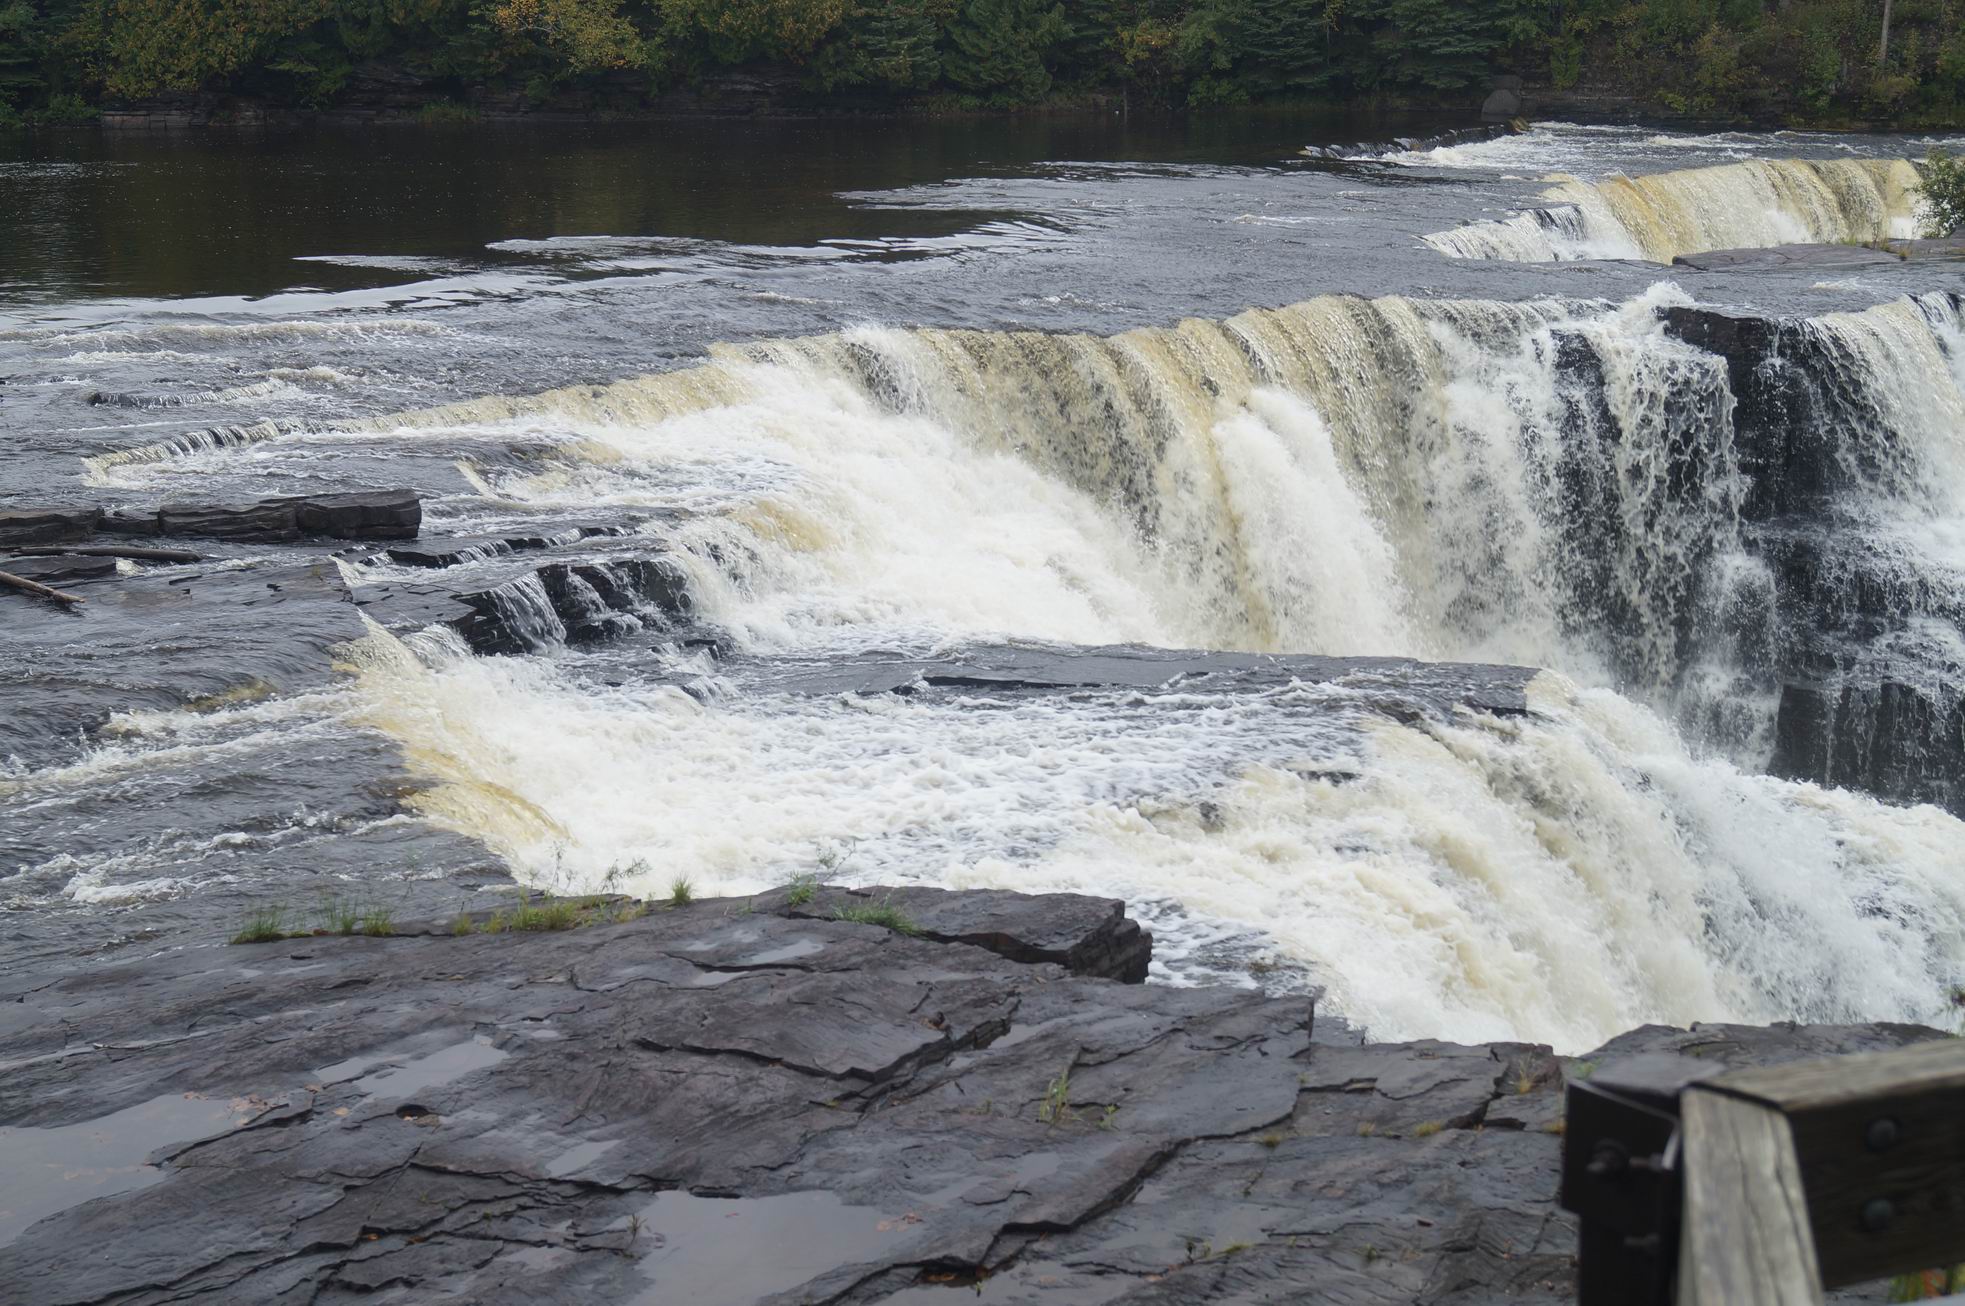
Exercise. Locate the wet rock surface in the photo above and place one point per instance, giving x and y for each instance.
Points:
(1852, 638)
(353, 515)
(756, 1101)
(1409, 688)
(47, 525)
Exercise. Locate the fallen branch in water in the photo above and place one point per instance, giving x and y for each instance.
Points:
(108, 551)
(36, 588)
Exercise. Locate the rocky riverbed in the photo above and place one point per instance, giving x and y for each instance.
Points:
(767, 1100)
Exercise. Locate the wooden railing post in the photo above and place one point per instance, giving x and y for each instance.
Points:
(1745, 1239)
(1765, 1185)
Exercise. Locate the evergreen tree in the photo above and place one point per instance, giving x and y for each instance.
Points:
(20, 57)
(890, 44)
(997, 49)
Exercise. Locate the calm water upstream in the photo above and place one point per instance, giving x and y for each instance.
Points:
(890, 390)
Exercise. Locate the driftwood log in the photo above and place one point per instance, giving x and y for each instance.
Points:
(36, 588)
(131, 551)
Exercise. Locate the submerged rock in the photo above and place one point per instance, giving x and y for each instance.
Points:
(733, 1102)
(571, 603)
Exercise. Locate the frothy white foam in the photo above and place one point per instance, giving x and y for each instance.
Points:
(1561, 877)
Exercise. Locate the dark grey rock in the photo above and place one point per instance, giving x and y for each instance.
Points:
(567, 603)
(632, 1111)
(361, 515)
(123, 521)
(1086, 936)
(269, 521)
(1828, 258)
(47, 525)
(58, 569)
(1501, 104)
(435, 554)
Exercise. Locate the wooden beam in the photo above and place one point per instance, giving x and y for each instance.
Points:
(1745, 1238)
(36, 588)
(1881, 1140)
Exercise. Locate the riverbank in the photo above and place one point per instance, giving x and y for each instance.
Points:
(810, 1095)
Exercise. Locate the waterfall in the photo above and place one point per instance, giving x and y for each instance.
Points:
(1746, 205)
(1471, 480)
(1688, 517)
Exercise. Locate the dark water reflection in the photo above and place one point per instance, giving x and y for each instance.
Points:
(227, 211)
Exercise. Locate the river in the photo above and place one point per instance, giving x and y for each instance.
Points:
(974, 394)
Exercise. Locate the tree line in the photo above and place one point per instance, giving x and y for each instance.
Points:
(1795, 60)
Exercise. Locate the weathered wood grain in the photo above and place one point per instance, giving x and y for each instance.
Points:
(1881, 1142)
(1745, 1238)
(36, 588)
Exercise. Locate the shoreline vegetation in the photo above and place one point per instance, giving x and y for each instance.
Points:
(1820, 63)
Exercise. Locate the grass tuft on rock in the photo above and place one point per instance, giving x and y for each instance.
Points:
(340, 915)
(267, 925)
(1055, 1109)
(883, 913)
(681, 891)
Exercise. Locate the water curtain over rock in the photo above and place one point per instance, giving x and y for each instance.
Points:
(1748, 205)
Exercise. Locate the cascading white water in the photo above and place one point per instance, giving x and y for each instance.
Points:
(1559, 878)
(1459, 480)
(1340, 475)
(1747, 205)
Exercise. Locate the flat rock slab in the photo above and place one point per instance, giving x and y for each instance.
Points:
(58, 569)
(755, 1101)
(363, 515)
(1829, 258)
(1402, 686)
(48, 525)
(1086, 936)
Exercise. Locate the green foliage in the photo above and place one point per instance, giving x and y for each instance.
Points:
(997, 49)
(446, 111)
(339, 916)
(891, 46)
(1801, 60)
(1943, 193)
(681, 892)
(883, 914)
(1055, 1109)
(1927, 1285)
(265, 925)
(550, 914)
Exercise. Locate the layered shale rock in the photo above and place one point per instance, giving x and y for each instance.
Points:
(1856, 639)
(759, 1101)
(354, 515)
(47, 525)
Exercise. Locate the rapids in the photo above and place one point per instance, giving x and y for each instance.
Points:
(1732, 541)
